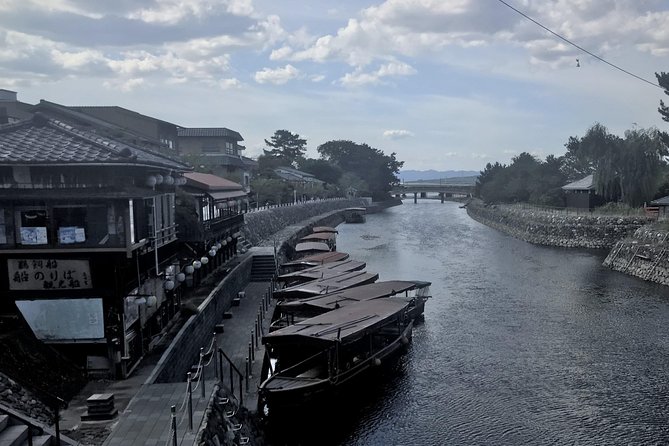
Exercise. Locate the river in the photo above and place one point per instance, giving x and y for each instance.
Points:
(521, 344)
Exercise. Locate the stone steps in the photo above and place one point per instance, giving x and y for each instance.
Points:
(263, 268)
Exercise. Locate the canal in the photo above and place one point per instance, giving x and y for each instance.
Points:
(521, 344)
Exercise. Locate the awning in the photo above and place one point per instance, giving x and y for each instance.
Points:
(227, 195)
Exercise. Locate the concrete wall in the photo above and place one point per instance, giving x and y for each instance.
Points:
(644, 255)
(544, 228)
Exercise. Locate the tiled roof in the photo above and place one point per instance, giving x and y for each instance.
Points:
(209, 132)
(664, 201)
(114, 108)
(47, 141)
(586, 183)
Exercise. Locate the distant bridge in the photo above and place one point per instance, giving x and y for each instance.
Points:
(442, 189)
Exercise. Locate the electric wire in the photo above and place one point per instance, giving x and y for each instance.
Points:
(578, 46)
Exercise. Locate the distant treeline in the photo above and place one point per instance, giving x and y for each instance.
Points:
(630, 169)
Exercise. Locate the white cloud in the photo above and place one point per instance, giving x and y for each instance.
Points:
(397, 134)
(480, 156)
(171, 12)
(126, 85)
(77, 59)
(393, 69)
(226, 84)
(278, 76)
(317, 78)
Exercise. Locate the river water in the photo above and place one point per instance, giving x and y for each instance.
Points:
(521, 344)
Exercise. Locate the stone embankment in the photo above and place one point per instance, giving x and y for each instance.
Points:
(556, 229)
(644, 255)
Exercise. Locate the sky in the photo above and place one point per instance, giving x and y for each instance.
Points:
(445, 84)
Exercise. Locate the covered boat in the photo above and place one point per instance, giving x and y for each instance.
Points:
(324, 237)
(415, 293)
(324, 286)
(321, 271)
(310, 359)
(324, 229)
(309, 248)
(314, 260)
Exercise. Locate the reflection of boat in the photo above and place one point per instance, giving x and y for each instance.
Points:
(324, 237)
(327, 352)
(323, 286)
(321, 272)
(309, 248)
(324, 229)
(415, 293)
(354, 215)
(314, 260)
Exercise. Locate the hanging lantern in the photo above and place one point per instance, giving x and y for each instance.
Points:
(224, 242)
(169, 285)
(168, 180)
(212, 252)
(220, 205)
(229, 239)
(204, 260)
(181, 276)
(197, 264)
(151, 301)
(218, 245)
(151, 181)
(189, 269)
(159, 179)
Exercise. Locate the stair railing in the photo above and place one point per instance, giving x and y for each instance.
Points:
(233, 370)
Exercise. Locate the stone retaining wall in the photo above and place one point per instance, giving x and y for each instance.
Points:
(21, 400)
(544, 228)
(644, 255)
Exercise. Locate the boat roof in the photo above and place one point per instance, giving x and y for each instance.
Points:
(344, 325)
(356, 209)
(353, 295)
(311, 246)
(324, 229)
(319, 259)
(328, 285)
(315, 272)
(319, 236)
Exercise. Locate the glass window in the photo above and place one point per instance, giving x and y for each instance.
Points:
(33, 227)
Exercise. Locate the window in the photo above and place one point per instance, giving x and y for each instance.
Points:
(33, 227)
(4, 228)
(229, 148)
(210, 148)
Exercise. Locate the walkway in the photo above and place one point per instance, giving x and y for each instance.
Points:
(144, 409)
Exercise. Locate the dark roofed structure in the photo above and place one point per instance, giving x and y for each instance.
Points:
(214, 132)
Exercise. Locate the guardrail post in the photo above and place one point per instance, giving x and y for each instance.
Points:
(241, 395)
(173, 409)
(252, 339)
(217, 371)
(202, 368)
(248, 373)
(251, 352)
(189, 377)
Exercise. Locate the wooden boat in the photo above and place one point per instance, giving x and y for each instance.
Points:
(324, 286)
(415, 293)
(309, 248)
(320, 272)
(324, 237)
(309, 360)
(354, 215)
(314, 260)
(324, 229)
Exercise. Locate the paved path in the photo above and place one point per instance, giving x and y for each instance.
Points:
(147, 418)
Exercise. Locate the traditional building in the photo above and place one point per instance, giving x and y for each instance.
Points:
(581, 193)
(217, 149)
(89, 255)
(305, 185)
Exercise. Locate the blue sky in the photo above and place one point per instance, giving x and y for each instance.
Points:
(446, 84)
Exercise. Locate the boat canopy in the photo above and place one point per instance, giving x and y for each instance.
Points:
(319, 236)
(311, 246)
(318, 259)
(324, 286)
(351, 296)
(344, 325)
(316, 272)
(324, 229)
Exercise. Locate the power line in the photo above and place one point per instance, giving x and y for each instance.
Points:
(578, 46)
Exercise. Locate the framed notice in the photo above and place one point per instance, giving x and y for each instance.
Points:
(48, 274)
(33, 236)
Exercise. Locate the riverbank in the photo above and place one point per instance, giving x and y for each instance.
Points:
(644, 255)
(556, 229)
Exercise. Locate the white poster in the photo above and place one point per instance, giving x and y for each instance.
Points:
(48, 274)
(65, 320)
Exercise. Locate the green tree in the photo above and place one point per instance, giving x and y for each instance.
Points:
(287, 147)
(663, 81)
(271, 190)
(487, 175)
(378, 169)
(322, 169)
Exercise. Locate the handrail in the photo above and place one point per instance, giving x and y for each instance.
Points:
(221, 355)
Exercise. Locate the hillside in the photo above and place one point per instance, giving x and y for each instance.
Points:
(423, 175)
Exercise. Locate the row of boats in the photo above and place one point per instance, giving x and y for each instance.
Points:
(333, 322)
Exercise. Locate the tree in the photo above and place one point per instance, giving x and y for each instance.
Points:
(286, 146)
(663, 81)
(322, 169)
(378, 169)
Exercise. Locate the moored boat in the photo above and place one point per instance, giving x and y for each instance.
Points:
(308, 248)
(311, 359)
(320, 272)
(323, 237)
(329, 285)
(324, 229)
(320, 258)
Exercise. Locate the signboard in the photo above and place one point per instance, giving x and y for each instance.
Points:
(48, 274)
(65, 320)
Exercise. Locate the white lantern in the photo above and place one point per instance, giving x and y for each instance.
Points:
(169, 180)
(229, 239)
(169, 285)
(212, 252)
(159, 179)
(221, 205)
(151, 301)
(197, 264)
(225, 242)
(181, 276)
(189, 269)
(218, 245)
(151, 181)
(204, 260)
